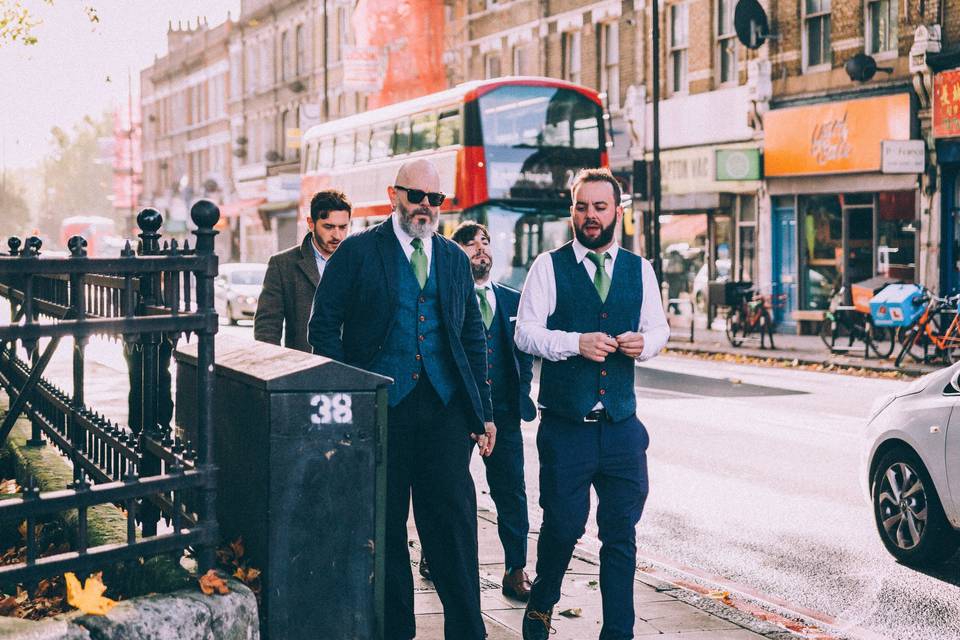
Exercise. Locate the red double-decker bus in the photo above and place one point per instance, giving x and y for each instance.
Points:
(506, 150)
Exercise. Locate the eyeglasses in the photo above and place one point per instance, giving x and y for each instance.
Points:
(415, 196)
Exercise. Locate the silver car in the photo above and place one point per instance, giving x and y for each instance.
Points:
(910, 468)
(237, 290)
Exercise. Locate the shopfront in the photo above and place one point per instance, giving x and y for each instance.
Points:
(946, 132)
(843, 183)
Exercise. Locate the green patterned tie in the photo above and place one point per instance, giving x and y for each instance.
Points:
(601, 279)
(486, 311)
(418, 260)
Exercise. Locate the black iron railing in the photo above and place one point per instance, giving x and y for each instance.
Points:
(148, 299)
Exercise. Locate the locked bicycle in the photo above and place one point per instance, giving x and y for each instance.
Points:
(846, 328)
(749, 318)
(936, 333)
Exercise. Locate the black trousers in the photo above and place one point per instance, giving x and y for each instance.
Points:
(428, 457)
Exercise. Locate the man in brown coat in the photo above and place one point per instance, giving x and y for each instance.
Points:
(293, 275)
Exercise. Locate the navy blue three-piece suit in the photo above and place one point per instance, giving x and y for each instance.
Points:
(371, 312)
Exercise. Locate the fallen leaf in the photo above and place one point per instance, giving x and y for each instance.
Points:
(210, 582)
(575, 612)
(7, 605)
(9, 487)
(90, 598)
(246, 575)
(722, 596)
(593, 583)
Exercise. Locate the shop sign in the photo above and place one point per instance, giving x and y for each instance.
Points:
(738, 164)
(946, 104)
(833, 137)
(363, 69)
(903, 156)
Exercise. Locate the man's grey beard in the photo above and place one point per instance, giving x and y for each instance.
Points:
(481, 271)
(422, 230)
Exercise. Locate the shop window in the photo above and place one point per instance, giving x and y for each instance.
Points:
(821, 249)
(896, 232)
(747, 239)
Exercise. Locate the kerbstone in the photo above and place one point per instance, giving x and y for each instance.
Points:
(45, 630)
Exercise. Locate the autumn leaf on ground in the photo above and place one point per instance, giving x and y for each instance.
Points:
(722, 596)
(245, 575)
(7, 605)
(90, 598)
(9, 487)
(210, 582)
(575, 612)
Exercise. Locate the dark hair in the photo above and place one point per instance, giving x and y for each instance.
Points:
(467, 231)
(596, 175)
(323, 202)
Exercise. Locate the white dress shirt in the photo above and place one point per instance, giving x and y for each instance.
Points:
(321, 261)
(406, 240)
(539, 300)
(487, 287)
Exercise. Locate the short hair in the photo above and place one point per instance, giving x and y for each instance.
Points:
(323, 202)
(596, 175)
(467, 231)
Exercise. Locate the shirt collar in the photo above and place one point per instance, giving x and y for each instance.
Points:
(316, 251)
(581, 251)
(486, 284)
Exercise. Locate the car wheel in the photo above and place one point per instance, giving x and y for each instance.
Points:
(908, 513)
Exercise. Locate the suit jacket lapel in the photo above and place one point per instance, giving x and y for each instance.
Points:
(441, 264)
(503, 313)
(388, 245)
(308, 262)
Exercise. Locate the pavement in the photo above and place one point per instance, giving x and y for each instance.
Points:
(790, 348)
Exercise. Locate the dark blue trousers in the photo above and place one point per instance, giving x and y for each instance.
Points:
(509, 491)
(610, 456)
(428, 458)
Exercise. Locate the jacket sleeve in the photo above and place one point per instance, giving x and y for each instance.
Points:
(473, 337)
(268, 320)
(330, 302)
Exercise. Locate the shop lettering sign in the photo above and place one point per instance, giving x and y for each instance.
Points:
(830, 140)
(903, 156)
(946, 104)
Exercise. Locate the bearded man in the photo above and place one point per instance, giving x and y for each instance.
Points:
(398, 299)
(590, 309)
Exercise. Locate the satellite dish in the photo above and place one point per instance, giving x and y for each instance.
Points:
(750, 23)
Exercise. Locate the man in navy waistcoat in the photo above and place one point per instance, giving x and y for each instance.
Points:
(509, 372)
(590, 309)
(398, 299)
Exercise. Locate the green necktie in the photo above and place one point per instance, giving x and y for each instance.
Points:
(418, 260)
(601, 279)
(486, 311)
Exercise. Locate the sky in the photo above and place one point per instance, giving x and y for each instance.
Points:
(64, 77)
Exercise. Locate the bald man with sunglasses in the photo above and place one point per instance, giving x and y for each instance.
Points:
(398, 299)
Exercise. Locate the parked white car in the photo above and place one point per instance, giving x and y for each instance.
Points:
(910, 468)
(237, 290)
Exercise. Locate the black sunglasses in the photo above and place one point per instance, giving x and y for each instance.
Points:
(415, 196)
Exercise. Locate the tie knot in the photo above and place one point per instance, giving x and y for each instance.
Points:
(598, 259)
(417, 244)
(481, 291)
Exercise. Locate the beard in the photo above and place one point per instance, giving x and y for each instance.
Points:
(414, 229)
(481, 269)
(329, 247)
(602, 240)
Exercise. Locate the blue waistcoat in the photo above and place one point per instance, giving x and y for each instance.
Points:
(501, 369)
(572, 387)
(417, 343)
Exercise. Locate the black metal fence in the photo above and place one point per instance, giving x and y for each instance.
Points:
(147, 298)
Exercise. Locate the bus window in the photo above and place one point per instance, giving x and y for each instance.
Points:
(448, 129)
(401, 138)
(363, 145)
(518, 116)
(380, 142)
(325, 155)
(344, 151)
(586, 133)
(424, 132)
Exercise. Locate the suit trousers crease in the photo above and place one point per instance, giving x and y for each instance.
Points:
(504, 468)
(610, 457)
(428, 458)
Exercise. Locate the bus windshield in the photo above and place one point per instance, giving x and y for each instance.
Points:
(538, 117)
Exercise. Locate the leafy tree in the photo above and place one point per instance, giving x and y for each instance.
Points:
(14, 210)
(77, 178)
(17, 21)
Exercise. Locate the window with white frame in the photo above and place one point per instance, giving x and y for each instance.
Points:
(520, 57)
(609, 63)
(881, 26)
(726, 44)
(679, 43)
(816, 32)
(285, 61)
(301, 51)
(491, 65)
(570, 45)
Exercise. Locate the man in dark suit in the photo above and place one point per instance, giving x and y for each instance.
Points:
(293, 275)
(398, 299)
(509, 372)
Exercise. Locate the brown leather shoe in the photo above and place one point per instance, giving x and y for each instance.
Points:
(424, 569)
(516, 585)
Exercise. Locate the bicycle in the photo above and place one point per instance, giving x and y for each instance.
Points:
(750, 314)
(929, 330)
(841, 321)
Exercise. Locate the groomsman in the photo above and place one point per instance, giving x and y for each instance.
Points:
(509, 372)
(590, 309)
